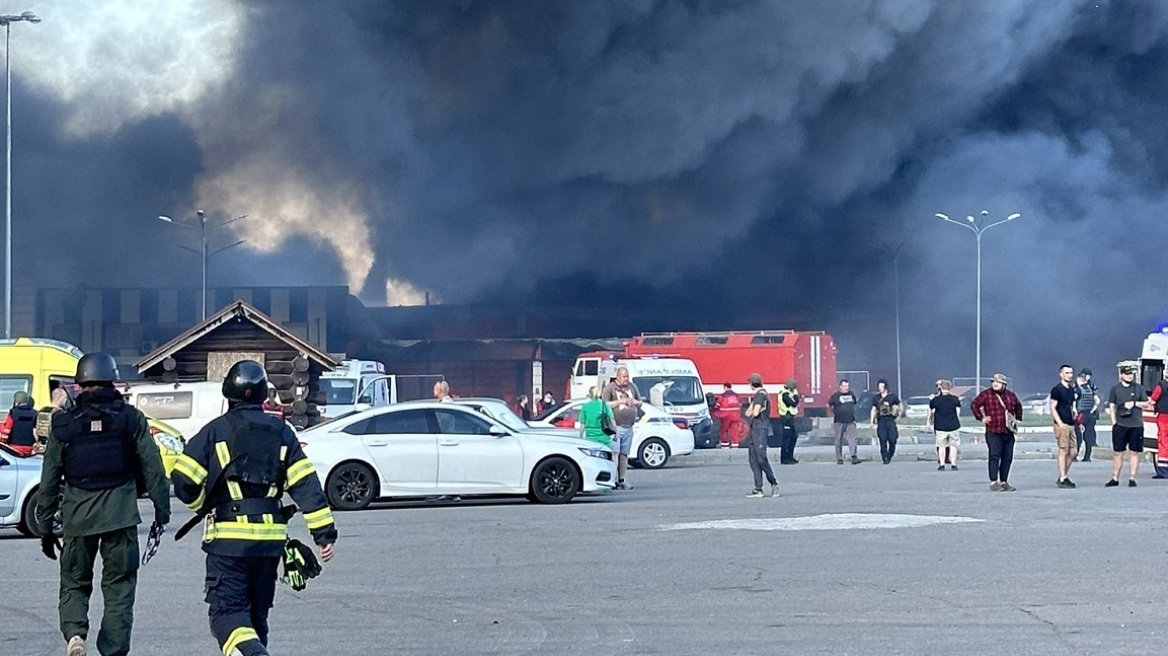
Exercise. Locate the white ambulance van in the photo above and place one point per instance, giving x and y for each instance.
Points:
(671, 384)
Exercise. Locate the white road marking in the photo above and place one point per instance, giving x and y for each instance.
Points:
(829, 522)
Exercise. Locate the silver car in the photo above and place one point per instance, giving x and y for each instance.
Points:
(20, 477)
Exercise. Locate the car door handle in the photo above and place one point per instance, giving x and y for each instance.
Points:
(377, 442)
(448, 443)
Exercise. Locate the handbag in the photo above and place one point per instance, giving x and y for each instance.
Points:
(606, 426)
(1011, 420)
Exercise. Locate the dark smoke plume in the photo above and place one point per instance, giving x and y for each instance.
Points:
(754, 161)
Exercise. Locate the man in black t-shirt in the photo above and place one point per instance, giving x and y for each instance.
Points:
(943, 411)
(1064, 401)
(843, 412)
(758, 416)
(885, 410)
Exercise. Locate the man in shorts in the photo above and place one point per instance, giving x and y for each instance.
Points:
(624, 399)
(943, 411)
(1064, 401)
(1125, 403)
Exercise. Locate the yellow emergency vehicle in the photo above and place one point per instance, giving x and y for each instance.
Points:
(38, 366)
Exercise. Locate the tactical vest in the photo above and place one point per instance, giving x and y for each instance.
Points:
(23, 427)
(251, 454)
(1086, 398)
(784, 409)
(1162, 404)
(99, 449)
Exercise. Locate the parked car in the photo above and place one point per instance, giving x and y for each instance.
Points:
(917, 407)
(1035, 404)
(20, 478)
(657, 435)
(423, 449)
(498, 410)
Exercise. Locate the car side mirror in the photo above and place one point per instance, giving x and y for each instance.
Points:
(498, 431)
(365, 399)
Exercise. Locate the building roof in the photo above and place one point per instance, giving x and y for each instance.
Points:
(236, 310)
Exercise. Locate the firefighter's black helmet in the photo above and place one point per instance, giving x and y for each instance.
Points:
(96, 368)
(246, 382)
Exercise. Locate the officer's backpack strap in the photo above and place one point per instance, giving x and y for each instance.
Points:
(230, 510)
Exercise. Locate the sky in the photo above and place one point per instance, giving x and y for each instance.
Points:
(752, 162)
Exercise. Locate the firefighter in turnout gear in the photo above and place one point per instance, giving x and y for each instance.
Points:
(233, 474)
(99, 458)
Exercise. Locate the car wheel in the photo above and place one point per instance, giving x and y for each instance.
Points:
(27, 524)
(351, 486)
(653, 454)
(555, 480)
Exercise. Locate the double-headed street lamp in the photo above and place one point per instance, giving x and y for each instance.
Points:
(978, 227)
(205, 252)
(7, 20)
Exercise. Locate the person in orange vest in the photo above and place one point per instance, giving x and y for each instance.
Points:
(730, 415)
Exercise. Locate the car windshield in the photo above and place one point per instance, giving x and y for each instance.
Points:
(324, 421)
(670, 390)
(543, 416)
(503, 414)
(339, 391)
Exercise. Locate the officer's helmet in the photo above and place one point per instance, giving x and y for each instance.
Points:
(95, 369)
(246, 382)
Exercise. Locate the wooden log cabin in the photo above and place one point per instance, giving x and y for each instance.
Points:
(241, 332)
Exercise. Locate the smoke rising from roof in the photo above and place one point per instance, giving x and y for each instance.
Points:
(743, 158)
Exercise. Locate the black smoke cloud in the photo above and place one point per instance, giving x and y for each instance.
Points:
(755, 162)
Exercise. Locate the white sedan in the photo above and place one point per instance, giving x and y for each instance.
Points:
(418, 450)
(657, 436)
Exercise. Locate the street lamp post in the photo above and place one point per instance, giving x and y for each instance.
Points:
(7, 20)
(978, 227)
(205, 251)
(896, 288)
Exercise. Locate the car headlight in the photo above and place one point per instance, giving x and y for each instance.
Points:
(603, 454)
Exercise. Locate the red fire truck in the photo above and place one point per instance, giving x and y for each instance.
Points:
(730, 357)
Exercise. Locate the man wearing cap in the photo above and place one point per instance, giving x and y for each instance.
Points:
(1064, 398)
(1088, 413)
(990, 408)
(788, 399)
(758, 416)
(1125, 403)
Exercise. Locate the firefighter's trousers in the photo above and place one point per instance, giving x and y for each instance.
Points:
(240, 591)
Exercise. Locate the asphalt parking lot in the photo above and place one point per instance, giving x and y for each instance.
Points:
(680, 565)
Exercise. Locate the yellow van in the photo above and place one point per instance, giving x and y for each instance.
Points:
(38, 366)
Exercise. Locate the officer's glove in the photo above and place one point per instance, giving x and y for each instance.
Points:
(51, 546)
(300, 565)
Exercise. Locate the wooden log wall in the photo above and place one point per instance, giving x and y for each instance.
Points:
(295, 377)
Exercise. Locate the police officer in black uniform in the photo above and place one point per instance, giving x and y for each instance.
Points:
(102, 452)
(22, 436)
(233, 474)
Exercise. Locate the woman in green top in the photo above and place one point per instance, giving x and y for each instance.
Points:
(589, 419)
